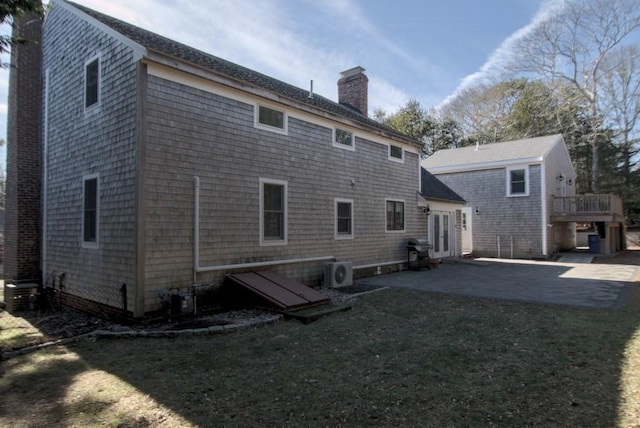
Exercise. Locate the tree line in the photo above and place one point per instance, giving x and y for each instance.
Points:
(577, 73)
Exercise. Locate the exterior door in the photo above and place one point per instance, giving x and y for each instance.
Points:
(441, 234)
(466, 231)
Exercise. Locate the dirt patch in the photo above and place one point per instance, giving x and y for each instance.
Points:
(29, 328)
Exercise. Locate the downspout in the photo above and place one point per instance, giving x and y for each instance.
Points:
(196, 245)
(45, 156)
(196, 227)
(140, 203)
(543, 204)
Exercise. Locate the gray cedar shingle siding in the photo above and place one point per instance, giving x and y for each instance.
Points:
(192, 132)
(101, 142)
(518, 217)
(146, 214)
(561, 236)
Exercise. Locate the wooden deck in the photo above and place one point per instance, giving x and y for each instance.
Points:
(587, 208)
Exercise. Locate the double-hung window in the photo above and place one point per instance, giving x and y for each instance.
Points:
(90, 208)
(344, 218)
(395, 216)
(273, 212)
(92, 82)
(518, 181)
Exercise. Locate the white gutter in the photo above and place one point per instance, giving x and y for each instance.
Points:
(45, 148)
(379, 264)
(196, 226)
(263, 264)
(543, 204)
(196, 245)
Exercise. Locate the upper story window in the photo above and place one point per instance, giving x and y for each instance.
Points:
(273, 212)
(271, 119)
(343, 139)
(92, 82)
(396, 153)
(344, 218)
(518, 181)
(90, 207)
(395, 216)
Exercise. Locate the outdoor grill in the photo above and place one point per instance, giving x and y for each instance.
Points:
(418, 254)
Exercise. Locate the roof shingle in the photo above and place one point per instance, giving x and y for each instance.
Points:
(510, 151)
(432, 188)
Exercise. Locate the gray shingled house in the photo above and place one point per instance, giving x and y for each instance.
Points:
(165, 167)
(447, 218)
(510, 190)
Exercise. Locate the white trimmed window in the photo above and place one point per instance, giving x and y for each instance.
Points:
(92, 82)
(273, 212)
(271, 119)
(343, 218)
(90, 210)
(343, 139)
(395, 215)
(396, 153)
(518, 181)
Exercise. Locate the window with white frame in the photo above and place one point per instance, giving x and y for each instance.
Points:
(518, 181)
(273, 212)
(92, 82)
(344, 218)
(90, 209)
(395, 215)
(396, 153)
(343, 139)
(271, 119)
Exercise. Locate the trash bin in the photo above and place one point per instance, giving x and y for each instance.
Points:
(594, 244)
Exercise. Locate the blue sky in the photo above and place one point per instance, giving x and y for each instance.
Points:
(410, 48)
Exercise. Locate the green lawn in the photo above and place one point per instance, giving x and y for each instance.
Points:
(399, 358)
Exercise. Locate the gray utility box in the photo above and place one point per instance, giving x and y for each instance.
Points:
(20, 297)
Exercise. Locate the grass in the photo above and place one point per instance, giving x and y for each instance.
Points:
(16, 332)
(400, 357)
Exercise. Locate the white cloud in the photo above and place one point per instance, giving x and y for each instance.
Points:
(389, 97)
(293, 42)
(505, 51)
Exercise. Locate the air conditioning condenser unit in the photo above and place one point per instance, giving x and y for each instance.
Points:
(339, 274)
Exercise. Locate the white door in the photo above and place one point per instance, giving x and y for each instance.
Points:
(441, 233)
(466, 232)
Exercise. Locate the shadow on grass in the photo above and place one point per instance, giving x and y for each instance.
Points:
(33, 387)
(400, 357)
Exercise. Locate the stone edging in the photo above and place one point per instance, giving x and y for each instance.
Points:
(132, 334)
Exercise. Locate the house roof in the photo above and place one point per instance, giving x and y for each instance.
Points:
(494, 155)
(162, 45)
(432, 188)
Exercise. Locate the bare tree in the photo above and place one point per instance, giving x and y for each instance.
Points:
(620, 75)
(479, 110)
(572, 45)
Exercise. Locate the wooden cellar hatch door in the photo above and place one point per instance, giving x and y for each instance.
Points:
(279, 290)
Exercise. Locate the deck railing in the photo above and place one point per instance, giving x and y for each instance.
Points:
(603, 204)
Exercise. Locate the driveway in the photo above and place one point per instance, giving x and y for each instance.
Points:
(574, 284)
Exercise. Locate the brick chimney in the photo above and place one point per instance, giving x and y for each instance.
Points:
(353, 89)
(24, 159)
